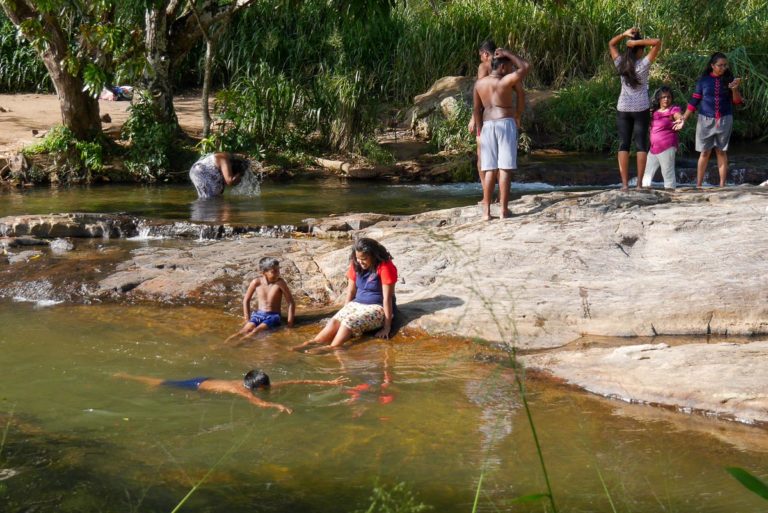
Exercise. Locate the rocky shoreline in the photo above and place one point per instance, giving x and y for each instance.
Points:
(567, 264)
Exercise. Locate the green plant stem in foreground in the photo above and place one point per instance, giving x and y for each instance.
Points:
(749, 481)
(203, 479)
(7, 428)
(521, 388)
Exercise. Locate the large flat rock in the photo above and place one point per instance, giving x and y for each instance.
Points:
(604, 263)
(724, 379)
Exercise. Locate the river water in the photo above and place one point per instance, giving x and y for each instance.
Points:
(277, 204)
(438, 414)
(433, 413)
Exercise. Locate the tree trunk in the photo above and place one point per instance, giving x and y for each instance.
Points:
(79, 112)
(209, 48)
(157, 77)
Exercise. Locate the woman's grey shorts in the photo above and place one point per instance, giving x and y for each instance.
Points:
(713, 133)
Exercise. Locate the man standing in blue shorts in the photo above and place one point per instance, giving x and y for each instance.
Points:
(494, 114)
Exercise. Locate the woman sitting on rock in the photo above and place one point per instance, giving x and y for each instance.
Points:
(370, 300)
(213, 171)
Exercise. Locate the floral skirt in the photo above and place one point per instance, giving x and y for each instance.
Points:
(360, 318)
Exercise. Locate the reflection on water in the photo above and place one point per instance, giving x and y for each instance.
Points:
(430, 412)
(276, 203)
(215, 209)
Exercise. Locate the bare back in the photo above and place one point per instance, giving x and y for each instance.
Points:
(497, 95)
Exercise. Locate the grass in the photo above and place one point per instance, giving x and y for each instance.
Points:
(20, 68)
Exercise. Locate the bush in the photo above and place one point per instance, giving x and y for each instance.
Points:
(260, 112)
(450, 132)
(151, 142)
(74, 161)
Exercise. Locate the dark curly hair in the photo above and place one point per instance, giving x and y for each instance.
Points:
(372, 248)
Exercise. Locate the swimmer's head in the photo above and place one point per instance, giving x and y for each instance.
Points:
(255, 379)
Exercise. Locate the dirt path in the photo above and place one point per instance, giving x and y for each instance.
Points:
(27, 112)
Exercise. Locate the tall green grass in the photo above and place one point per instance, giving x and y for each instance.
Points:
(357, 57)
(20, 68)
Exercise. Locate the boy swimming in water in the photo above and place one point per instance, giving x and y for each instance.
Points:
(270, 289)
(251, 382)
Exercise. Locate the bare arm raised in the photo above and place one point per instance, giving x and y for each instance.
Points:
(523, 67)
(655, 45)
(616, 39)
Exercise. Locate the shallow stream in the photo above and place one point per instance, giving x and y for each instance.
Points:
(437, 414)
(444, 416)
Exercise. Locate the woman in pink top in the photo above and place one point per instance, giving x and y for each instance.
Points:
(663, 138)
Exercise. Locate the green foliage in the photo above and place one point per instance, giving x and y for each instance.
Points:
(262, 111)
(151, 142)
(20, 68)
(74, 161)
(396, 499)
(374, 152)
(749, 481)
(582, 116)
(392, 53)
(449, 132)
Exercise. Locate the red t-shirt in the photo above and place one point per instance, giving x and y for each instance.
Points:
(387, 272)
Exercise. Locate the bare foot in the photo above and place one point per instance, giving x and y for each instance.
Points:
(300, 347)
(624, 189)
(487, 218)
(506, 214)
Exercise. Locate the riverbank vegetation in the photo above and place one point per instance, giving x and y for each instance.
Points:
(303, 78)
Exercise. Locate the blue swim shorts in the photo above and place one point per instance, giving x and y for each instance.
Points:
(271, 319)
(189, 384)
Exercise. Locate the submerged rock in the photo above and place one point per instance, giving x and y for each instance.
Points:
(725, 379)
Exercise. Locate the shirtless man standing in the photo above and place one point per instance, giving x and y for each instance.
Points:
(486, 51)
(494, 117)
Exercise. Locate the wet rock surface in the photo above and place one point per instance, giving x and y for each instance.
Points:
(724, 379)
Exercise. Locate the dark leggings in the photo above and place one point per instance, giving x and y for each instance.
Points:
(633, 123)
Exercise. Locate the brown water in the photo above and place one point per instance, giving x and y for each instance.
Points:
(434, 413)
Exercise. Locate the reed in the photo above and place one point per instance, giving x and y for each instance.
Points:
(20, 68)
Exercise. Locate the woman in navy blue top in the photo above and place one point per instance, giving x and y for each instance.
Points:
(716, 92)
(370, 300)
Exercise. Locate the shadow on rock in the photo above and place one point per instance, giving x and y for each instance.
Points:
(409, 312)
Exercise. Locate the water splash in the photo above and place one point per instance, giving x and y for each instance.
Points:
(145, 232)
(250, 185)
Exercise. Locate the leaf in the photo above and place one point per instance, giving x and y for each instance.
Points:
(749, 481)
(533, 497)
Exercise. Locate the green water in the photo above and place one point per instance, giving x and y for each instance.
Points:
(74, 438)
(277, 203)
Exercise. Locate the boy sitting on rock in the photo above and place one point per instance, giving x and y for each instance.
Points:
(270, 289)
